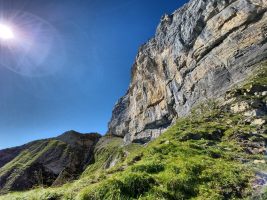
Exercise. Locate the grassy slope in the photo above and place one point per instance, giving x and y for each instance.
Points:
(200, 157)
(25, 159)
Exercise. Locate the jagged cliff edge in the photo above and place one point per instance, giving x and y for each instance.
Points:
(198, 52)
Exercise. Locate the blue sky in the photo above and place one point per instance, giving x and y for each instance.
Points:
(97, 41)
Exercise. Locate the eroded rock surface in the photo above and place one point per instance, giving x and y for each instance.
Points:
(198, 52)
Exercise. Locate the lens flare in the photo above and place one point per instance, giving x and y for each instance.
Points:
(6, 32)
(30, 45)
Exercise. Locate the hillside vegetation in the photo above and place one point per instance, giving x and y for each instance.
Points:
(216, 152)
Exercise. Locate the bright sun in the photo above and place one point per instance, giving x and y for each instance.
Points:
(6, 32)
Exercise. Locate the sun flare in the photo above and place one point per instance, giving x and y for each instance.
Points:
(6, 32)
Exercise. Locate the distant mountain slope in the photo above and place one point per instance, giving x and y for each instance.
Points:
(46, 162)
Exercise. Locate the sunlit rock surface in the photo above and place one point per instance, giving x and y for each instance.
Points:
(198, 52)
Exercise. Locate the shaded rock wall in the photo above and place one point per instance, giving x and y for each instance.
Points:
(46, 162)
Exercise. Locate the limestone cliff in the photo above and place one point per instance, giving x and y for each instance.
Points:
(198, 52)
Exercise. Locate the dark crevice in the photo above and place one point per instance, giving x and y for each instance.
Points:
(155, 103)
(162, 123)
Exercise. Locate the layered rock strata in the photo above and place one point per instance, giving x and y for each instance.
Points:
(198, 52)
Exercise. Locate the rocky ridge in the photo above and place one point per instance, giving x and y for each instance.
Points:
(198, 52)
(48, 162)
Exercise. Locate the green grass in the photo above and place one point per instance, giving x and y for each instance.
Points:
(17, 166)
(260, 77)
(180, 169)
(203, 156)
(107, 150)
(177, 165)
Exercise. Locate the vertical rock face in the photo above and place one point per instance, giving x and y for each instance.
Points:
(198, 52)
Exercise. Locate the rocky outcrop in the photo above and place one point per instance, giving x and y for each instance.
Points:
(46, 162)
(198, 52)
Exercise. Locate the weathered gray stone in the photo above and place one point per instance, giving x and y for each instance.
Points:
(198, 52)
(258, 122)
(240, 107)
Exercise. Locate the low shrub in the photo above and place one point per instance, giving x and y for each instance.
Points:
(151, 168)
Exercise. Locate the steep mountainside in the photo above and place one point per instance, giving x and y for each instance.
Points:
(46, 162)
(215, 153)
(198, 52)
(192, 124)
